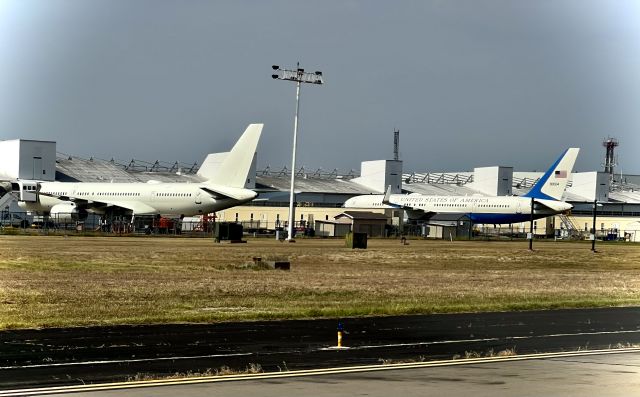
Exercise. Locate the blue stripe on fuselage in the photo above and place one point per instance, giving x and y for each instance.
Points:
(502, 218)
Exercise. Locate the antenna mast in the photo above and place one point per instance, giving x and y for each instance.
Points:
(610, 158)
(396, 144)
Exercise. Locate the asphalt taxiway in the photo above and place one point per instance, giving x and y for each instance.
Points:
(53, 357)
(581, 374)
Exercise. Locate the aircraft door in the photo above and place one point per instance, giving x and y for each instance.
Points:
(198, 198)
(519, 207)
(28, 191)
(37, 168)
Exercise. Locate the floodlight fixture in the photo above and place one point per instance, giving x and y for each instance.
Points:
(298, 75)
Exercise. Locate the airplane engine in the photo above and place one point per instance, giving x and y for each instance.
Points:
(67, 212)
(413, 215)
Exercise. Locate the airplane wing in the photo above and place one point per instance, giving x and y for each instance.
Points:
(136, 207)
(387, 201)
(63, 198)
(413, 212)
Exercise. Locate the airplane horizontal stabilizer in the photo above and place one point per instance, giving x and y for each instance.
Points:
(223, 192)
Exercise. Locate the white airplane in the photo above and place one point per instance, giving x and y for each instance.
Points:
(546, 193)
(226, 174)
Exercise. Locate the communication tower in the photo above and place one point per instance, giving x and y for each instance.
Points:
(396, 144)
(610, 158)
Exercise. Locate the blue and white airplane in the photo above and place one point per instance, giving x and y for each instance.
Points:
(546, 194)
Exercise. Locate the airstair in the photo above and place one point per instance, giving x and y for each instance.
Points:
(6, 200)
(569, 228)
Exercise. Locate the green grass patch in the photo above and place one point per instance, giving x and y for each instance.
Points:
(48, 281)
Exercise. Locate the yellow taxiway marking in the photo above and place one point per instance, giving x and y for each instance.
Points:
(300, 373)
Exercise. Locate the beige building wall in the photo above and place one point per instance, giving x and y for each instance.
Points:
(269, 215)
(545, 226)
(629, 225)
(608, 223)
(541, 227)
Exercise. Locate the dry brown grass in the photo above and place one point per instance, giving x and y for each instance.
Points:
(58, 281)
(251, 369)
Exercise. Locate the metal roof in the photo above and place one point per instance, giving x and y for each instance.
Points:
(311, 185)
(81, 170)
(73, 169)
(440, 189)
(631, 197)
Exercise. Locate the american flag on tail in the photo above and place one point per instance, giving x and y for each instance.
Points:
(561, 174)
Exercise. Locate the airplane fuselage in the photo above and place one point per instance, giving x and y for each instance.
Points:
(152, 198)
(225, 176)
(496, 210)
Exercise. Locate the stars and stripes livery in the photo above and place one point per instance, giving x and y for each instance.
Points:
(546, 193)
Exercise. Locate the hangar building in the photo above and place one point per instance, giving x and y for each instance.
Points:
(320, 194)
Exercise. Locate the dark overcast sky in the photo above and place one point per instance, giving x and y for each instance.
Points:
(468, 83)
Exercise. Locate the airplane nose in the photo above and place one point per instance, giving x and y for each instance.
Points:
(351, 203)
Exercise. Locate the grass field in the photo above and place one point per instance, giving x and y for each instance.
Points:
(68, 281)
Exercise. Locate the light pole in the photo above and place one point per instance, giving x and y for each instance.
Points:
(530, 236)
(593, 229)
(299, 76)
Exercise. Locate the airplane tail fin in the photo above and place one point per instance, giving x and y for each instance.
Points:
(552, 184)
(233, 168)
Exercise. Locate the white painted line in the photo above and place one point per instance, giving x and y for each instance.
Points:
(336, 348)
(363, 347)
(132, 360)
(578, 334)
(436, 342)
(291, 374)
(443, 342)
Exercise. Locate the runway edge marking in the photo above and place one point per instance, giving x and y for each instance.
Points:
(301, 373)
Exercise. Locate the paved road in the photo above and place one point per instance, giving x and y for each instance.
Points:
(102, 354)
(602, 375)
